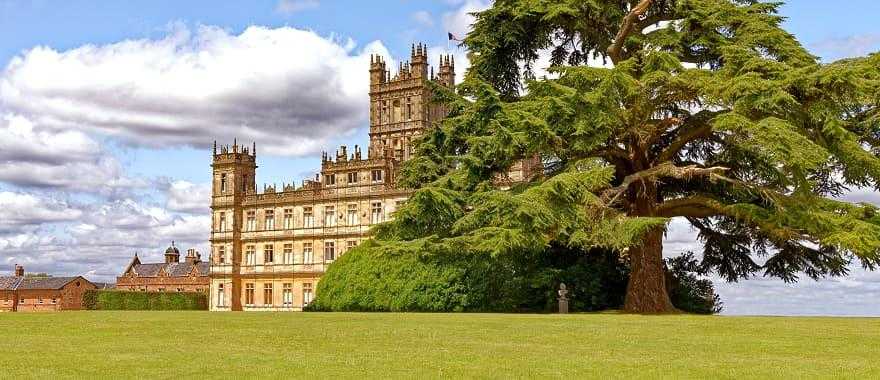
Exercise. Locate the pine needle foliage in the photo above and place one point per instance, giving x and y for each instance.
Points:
(700, 109)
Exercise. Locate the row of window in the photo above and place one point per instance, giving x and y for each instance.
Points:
(268, 296)
(40, 300)
(377, 215)
(352, 177)
(287, 254)
(178, 289)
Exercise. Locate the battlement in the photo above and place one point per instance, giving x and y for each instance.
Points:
(344, 161)
(235, 153)
(415, 68)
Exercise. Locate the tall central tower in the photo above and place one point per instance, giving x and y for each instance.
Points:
(235, 171)
(400, 106)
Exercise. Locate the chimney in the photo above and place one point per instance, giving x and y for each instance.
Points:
(19, 271)
(192, 256)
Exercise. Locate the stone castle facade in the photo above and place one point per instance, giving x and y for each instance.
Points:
(270, 248)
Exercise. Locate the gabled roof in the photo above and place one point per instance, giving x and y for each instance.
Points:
(9, 283)
(148, 270)
(134, 261)
(170, 269)
(37, 283)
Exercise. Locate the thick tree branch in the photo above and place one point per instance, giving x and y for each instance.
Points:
(692, 207)
(664, 170)
(629, 21)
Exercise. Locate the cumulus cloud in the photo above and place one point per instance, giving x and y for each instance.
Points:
(290, 90)
(22, 210)
(67, 159)
(293, 6)
(97, 239)
(189, 197)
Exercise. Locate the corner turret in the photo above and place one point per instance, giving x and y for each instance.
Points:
(446, 74)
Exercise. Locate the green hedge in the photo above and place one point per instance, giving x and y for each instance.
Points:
(128, 300)
(390, 277)
(369, 278)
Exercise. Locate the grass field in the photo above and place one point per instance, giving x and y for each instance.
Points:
(284, 345)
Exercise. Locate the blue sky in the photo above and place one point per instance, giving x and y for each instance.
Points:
(108, 110)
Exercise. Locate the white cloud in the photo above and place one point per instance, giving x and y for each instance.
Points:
(22, 210)
(850, 295)
(293, 6)
(846, 47)
(189, 197)
(68, 159)
(20, 140)
(290, 90)
(423, 18)
(862, 195)
(97, 240)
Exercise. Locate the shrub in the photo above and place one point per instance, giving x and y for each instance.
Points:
(374, 277)
(687, 291)
(129, 300)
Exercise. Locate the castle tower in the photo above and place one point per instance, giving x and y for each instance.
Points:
(400, 107)
(234, 177)
(377, 69)
(446, 75)
(419, 59)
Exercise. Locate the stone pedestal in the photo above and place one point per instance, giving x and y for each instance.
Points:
(563, 299)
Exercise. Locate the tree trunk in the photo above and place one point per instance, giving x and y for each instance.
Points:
(646, 291)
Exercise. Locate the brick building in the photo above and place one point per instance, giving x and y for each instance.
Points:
(170, 276)
(27, 294)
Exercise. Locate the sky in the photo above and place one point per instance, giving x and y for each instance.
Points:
(109, 109)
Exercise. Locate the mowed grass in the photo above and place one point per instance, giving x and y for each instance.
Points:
(354, 345)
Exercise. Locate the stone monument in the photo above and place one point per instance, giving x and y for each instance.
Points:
(563, 299)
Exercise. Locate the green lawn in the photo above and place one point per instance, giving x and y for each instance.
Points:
(282, 345)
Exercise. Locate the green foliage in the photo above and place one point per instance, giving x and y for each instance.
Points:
(687, 291)
(705, 110)
(130, 300)
(377, 277)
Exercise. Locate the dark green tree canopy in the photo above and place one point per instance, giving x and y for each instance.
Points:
(706, 110)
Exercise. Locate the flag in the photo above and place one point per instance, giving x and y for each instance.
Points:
(452, 37)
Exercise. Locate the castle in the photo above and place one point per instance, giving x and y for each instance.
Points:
(270, 248)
